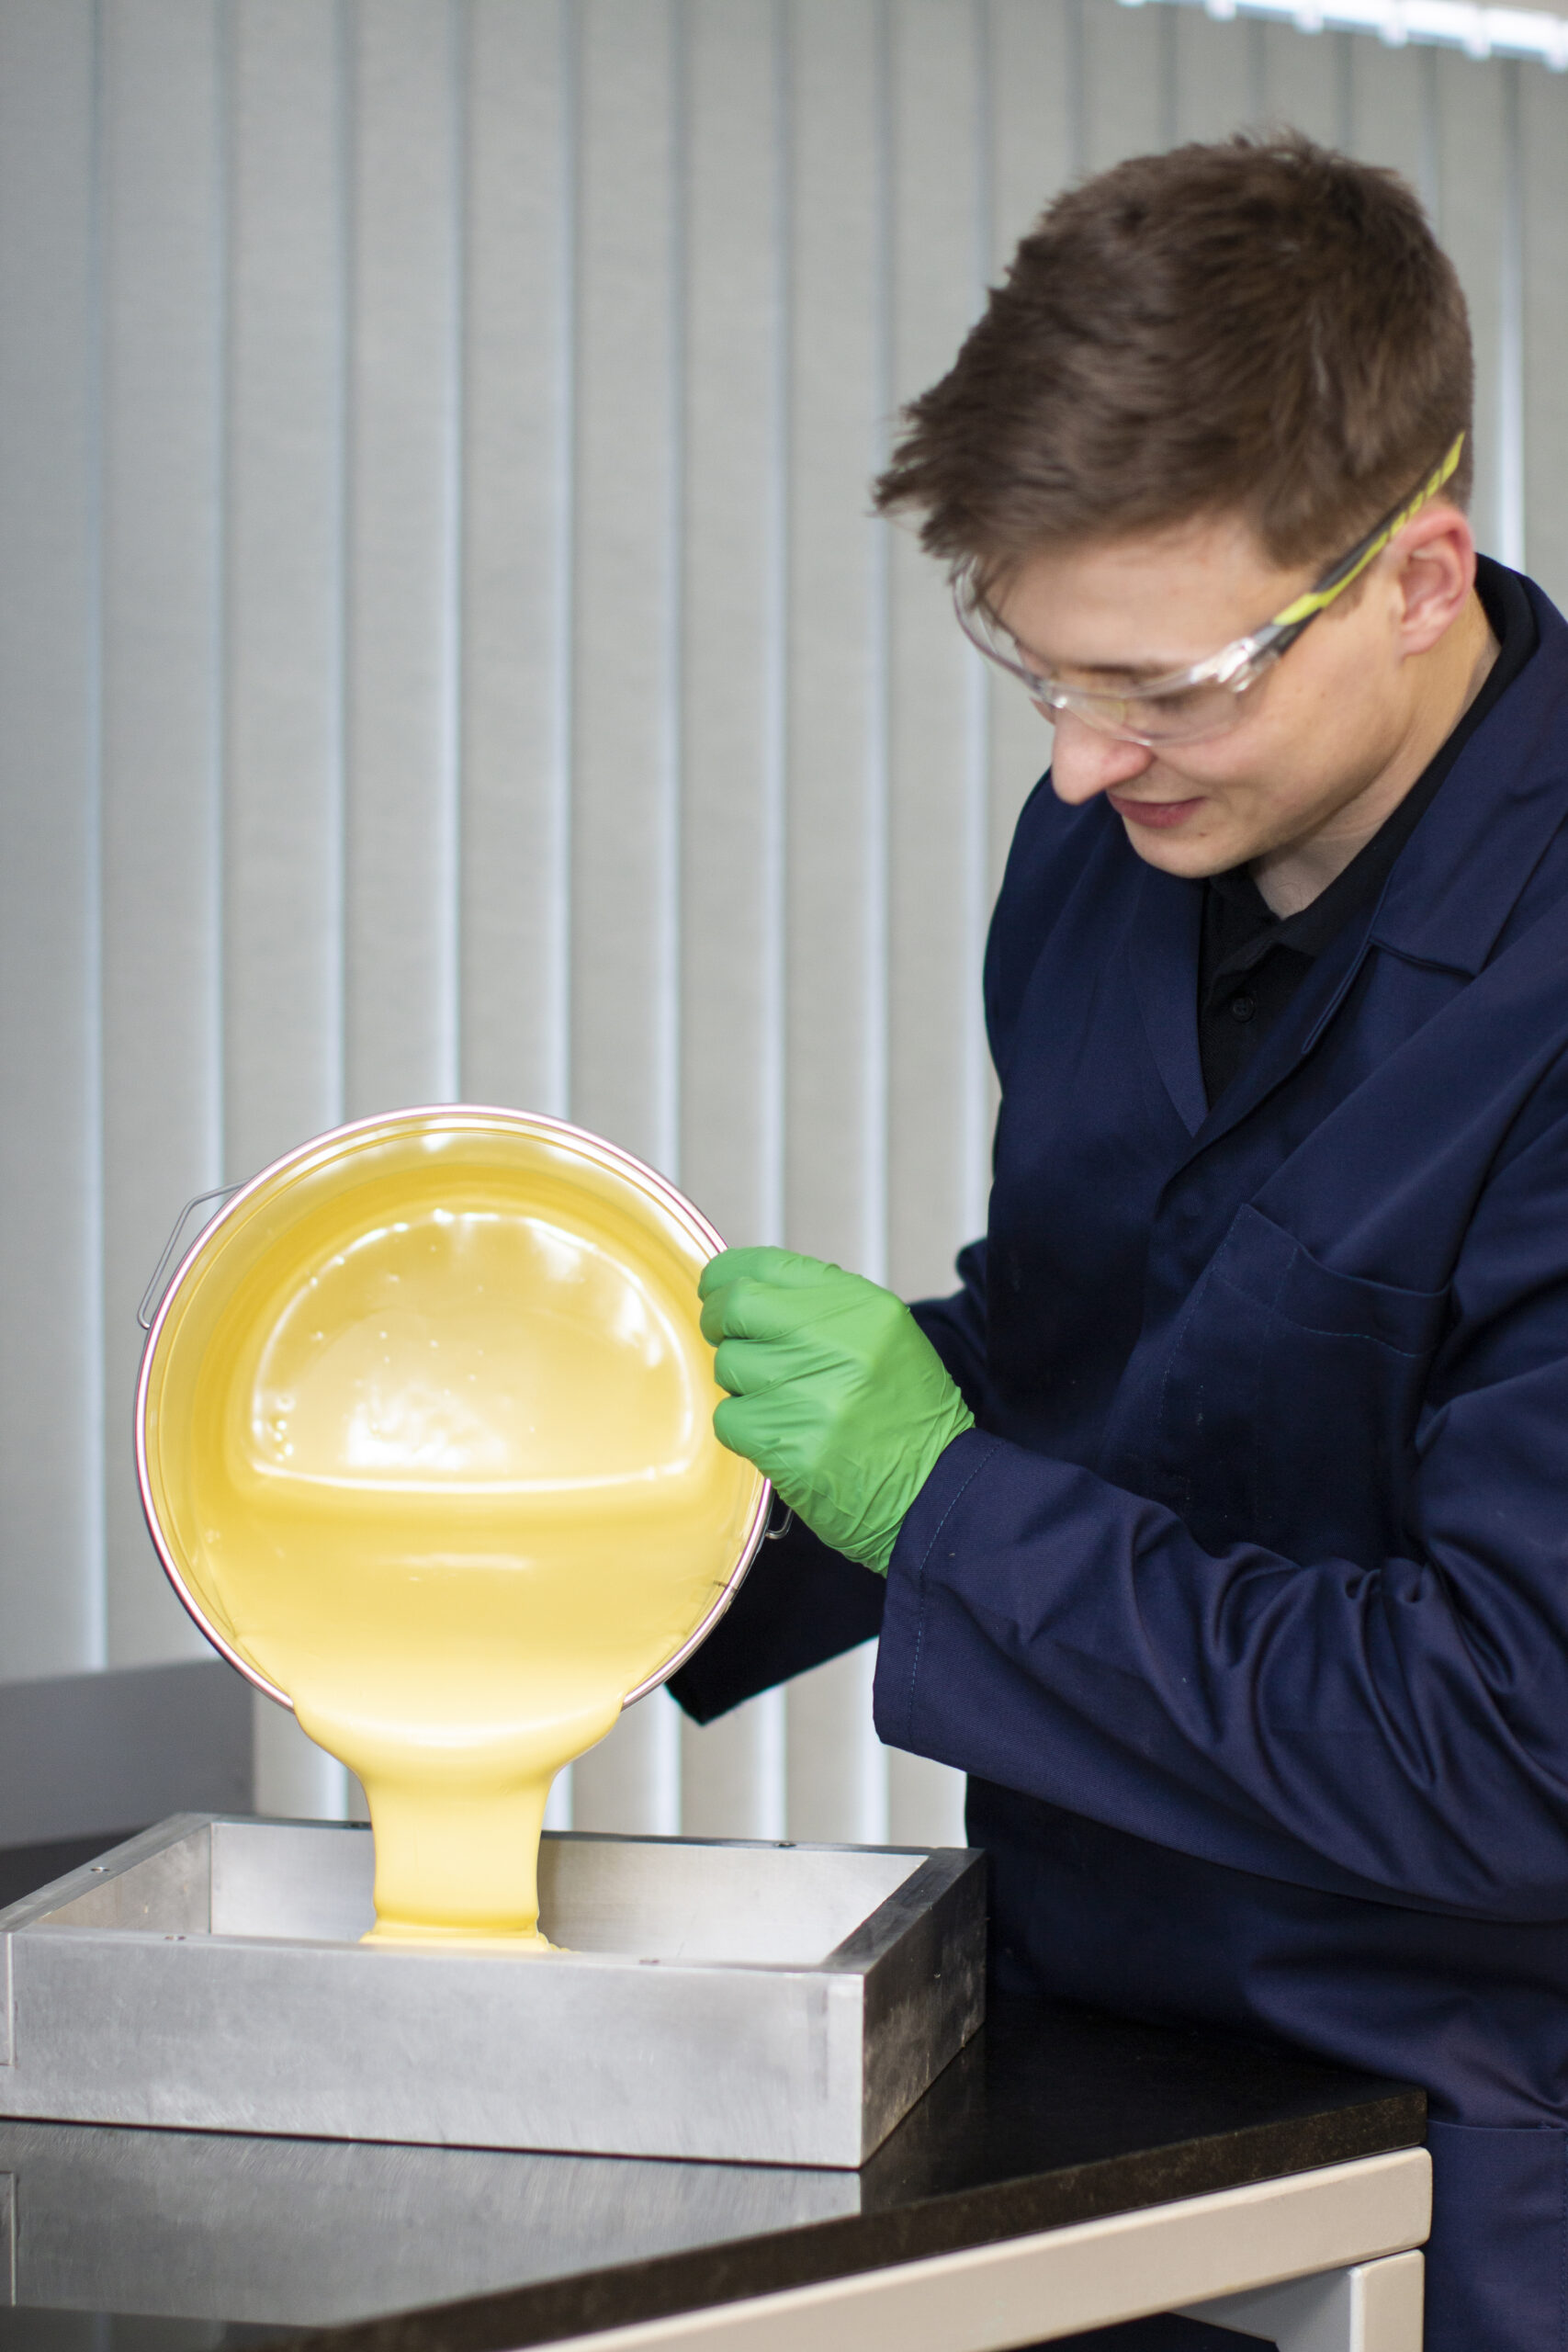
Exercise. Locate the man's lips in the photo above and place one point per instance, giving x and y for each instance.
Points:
(1159, 815)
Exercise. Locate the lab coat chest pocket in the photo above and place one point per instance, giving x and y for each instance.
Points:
(1289, 1396)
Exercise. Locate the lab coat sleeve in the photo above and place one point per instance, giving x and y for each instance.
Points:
(1399, 1729)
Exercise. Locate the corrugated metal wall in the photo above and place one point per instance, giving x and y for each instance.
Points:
(443, 650)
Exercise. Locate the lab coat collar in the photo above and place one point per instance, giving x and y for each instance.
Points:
(1444, 904)
(1461, 874)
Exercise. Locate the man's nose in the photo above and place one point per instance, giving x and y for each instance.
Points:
(1085, 762)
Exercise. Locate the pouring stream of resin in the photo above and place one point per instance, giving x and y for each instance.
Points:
(428, 1446)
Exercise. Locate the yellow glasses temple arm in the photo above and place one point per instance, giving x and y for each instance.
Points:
(1316, 599)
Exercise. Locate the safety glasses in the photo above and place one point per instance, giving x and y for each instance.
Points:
(1185, 705)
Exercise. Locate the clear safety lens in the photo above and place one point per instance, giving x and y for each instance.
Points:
(1182, 715)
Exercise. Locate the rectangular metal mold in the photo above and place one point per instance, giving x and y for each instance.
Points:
(756, 2004)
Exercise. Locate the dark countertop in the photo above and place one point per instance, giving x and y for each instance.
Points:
(1053, 2115)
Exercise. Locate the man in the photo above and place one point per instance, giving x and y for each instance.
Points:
(1224, 1512)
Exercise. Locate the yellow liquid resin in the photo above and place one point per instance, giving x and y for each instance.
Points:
(430, 1442)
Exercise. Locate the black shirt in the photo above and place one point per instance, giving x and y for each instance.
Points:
(1252, 961)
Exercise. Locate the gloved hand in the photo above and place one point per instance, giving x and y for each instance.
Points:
(836, 1392)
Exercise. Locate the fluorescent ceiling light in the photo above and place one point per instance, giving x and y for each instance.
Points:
(1455, 24)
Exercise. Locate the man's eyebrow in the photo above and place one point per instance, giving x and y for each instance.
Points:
(1135, 672)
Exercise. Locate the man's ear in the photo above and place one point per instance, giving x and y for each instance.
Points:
(1436, 559)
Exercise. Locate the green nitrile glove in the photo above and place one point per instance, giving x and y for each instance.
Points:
(835, 1392)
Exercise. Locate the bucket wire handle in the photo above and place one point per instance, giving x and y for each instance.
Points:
(153, 1296)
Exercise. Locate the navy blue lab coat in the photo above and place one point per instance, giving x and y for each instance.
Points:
(1245, 1605)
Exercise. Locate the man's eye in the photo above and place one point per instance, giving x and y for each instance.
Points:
(1115, 684)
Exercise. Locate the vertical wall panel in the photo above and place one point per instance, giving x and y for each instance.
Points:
(1033, 112)
(401, 1008)
(732, 618)
(1125, 53)
(283, 687)
(1342, 48)
(1511, 329)
(936, 750)
(517, 469)
(51, 1373)
(732, 654)
(627, 695)
(1391, 93)
(1428, 182)
(835, 1772)
(1470, 191)
(838, 395)
(1214, 81)
(841, 389)
(162, 344)
(1301, 80)
(1543, 172)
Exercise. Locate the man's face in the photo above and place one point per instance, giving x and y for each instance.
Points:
(1322, 739)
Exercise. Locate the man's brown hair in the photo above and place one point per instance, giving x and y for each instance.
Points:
(1260, 326)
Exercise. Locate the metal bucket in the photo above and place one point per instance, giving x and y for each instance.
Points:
(606, 1253)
